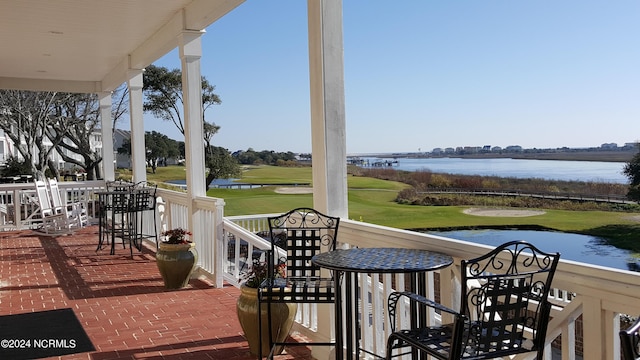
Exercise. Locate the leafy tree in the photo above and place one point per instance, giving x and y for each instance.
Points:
(77, 120)
(220, 164)
(269, 157)
(163, 98)
(248, 157)
(163, 94)
(632, 171)
(159, 147)
(119, 104)
(25, 117)
(210, 129)
(14, 166)
(67, 120)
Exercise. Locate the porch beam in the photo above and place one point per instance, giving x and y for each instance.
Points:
(50, 85)
(201, 13)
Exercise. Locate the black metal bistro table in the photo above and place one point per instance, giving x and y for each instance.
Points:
(414, 262)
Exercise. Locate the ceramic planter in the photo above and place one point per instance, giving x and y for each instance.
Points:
(282, 315)
(176, 262)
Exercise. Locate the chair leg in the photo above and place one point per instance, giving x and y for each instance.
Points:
(134, 235)
(259, 327)
(269, 326)
(272, 347)
(131, 224)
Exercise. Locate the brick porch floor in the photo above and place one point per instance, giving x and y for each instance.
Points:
(120, 301)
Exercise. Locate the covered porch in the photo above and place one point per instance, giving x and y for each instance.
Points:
(119, 301)
(141, 319)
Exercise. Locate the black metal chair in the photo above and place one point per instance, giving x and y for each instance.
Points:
(630, 341)
(143, 198)
(504, 308)
(301, 233)
(114, 207)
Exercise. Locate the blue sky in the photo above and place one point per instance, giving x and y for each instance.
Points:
(425, 74)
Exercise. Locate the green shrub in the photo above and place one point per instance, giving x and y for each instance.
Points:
(15, 166)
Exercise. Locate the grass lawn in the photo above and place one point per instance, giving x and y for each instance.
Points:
(372, 200)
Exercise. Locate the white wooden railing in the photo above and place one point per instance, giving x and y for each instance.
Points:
(19, 209)
(589, 299)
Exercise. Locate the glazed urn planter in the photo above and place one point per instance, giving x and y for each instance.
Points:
(282, 315)
(176, 262)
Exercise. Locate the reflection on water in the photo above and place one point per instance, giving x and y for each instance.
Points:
(214, 183)
(582, 248)
(595, 171)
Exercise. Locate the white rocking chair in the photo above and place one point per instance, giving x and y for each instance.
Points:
(75, 211)
(54, 220)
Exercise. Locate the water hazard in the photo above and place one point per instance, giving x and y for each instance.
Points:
(576, 247)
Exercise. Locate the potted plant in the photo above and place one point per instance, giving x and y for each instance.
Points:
(283, 314)
(176, 258)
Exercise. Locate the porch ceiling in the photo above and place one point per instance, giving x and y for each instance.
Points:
(88, 45)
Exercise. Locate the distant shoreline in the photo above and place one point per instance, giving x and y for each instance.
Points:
(573, 155)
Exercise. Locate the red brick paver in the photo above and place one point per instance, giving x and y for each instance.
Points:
(121, 302)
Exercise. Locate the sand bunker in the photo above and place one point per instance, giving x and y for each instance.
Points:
(503, 212)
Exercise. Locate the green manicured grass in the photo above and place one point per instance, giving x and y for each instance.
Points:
(372, 200)
(259, 201)
(164, 173)
(276, 174)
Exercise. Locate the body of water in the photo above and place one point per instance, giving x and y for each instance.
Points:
(582, 248)
(589, 171)
(214, 183)
(576, 247)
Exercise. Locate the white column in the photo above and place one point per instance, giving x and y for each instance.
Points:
(138, 149)
(106, 124)
(190, 46)
(328, 139)
(190, 52)
(328, 127)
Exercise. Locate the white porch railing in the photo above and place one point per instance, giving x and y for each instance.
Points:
(19, 209)
(589, 298)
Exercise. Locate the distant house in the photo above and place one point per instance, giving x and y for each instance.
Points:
(437, 151)
(4, 148)
(513, 148)
(7, 149)
(95, 143)
(496, 149)
(609, 146)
